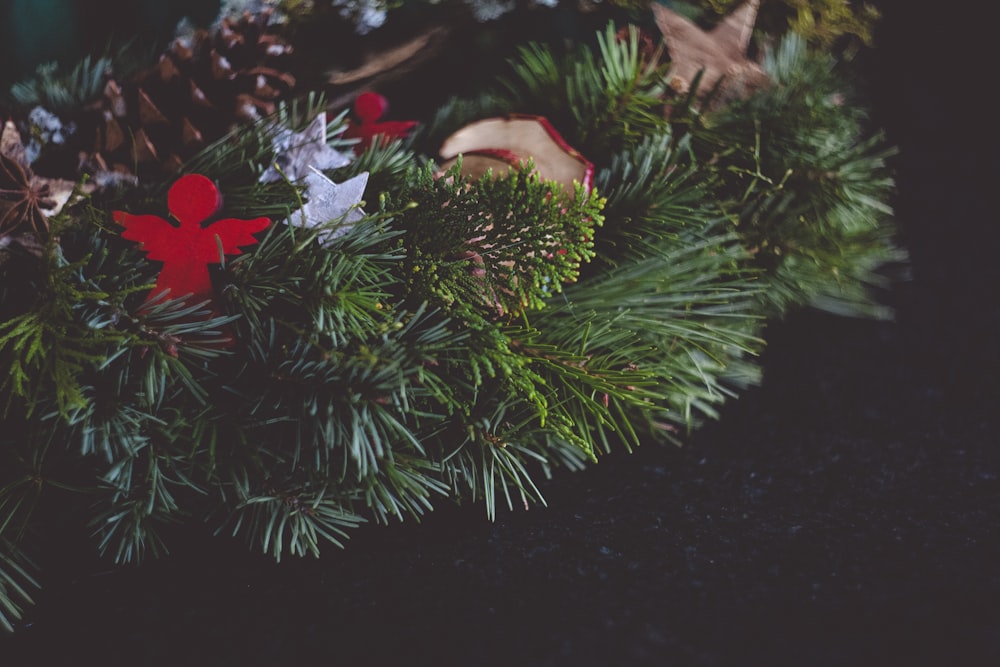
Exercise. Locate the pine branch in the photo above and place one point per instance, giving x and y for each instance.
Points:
(809, 189)
(16, 583)
(66, 329)
(493, 457)
(602, 102)
(63, 92)
(353, 379)
(692, 309)
(295, 520)
(403, 487)
(339, 291)
(654, 191)
(387, 165)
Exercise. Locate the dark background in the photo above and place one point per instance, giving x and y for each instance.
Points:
(844, 513)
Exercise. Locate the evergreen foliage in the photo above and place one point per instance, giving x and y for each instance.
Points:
(607, 97)
(462, 338)
(825, 24)
(809, 184)
(61, 93)
(498, 245)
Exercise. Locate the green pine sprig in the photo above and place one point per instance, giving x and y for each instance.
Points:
(60, 91)
(16, 584)
(808, 185)
(603, 99)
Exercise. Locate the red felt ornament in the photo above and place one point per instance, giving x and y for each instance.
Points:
(187, 250)
(369, 108)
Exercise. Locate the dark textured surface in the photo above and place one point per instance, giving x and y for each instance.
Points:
(845, 513)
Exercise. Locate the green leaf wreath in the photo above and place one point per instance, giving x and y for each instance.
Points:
(460, 339)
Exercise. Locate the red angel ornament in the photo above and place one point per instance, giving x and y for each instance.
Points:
(187, 250)
(369, 108)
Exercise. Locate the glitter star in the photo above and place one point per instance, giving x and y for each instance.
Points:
(333, 208)
(298, 152)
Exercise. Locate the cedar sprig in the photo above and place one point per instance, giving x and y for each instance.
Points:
(499, 245)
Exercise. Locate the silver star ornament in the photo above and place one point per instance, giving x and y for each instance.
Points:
(297, 152)
(333, 208)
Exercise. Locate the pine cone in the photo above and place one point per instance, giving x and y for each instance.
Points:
(200, 89)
